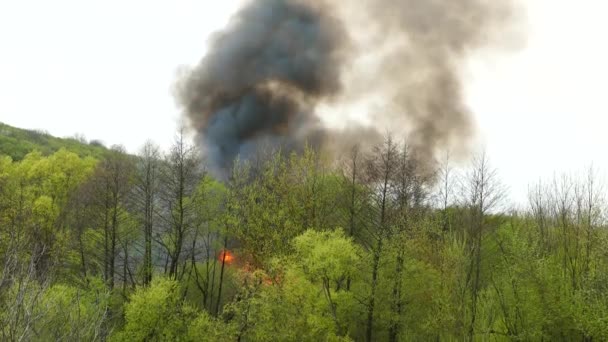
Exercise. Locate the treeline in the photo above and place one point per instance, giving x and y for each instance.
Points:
(295, 247)
(17, 142)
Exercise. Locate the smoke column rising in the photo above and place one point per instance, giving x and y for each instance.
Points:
(278, 60)
(420, 76)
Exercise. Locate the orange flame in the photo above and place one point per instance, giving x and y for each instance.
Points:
(226, 256)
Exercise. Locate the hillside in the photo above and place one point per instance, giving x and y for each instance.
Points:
(154, 249)
(17, 142)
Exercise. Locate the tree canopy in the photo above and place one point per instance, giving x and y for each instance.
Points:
(293, 247)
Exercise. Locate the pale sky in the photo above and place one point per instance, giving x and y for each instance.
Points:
(105, 69)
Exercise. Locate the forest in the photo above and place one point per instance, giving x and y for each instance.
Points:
(375, 245)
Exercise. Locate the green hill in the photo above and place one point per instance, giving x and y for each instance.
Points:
(17, 142)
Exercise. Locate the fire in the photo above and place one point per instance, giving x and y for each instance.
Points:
(226, 256)
(248, 271)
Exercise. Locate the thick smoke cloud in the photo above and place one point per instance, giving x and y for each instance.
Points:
(278, 60)
(262, 78)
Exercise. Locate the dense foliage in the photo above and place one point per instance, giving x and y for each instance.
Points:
(16, 143)
(375, 246)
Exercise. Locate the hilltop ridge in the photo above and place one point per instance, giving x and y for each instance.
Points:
(17, 142)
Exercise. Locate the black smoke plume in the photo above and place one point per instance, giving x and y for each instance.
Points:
(266, 73)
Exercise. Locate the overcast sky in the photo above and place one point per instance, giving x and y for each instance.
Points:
(105, 69)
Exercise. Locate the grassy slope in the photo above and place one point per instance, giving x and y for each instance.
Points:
(17, 142)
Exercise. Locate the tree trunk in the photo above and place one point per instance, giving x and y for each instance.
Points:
(372, 299)
(397, 303)
(219, 291)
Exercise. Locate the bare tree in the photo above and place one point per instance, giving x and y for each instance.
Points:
(181, 173)
(351, 177)
(563, 203)
(354, 195)
(594, 202)
(445, 181)
(410, 192)
(21, 288)
(576, 209)
(539, 206)
(381, 168)
(82, 211)
(484, 193)
(109, 188)
(145, 199)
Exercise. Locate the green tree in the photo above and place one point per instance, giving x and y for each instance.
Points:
(156, 313)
